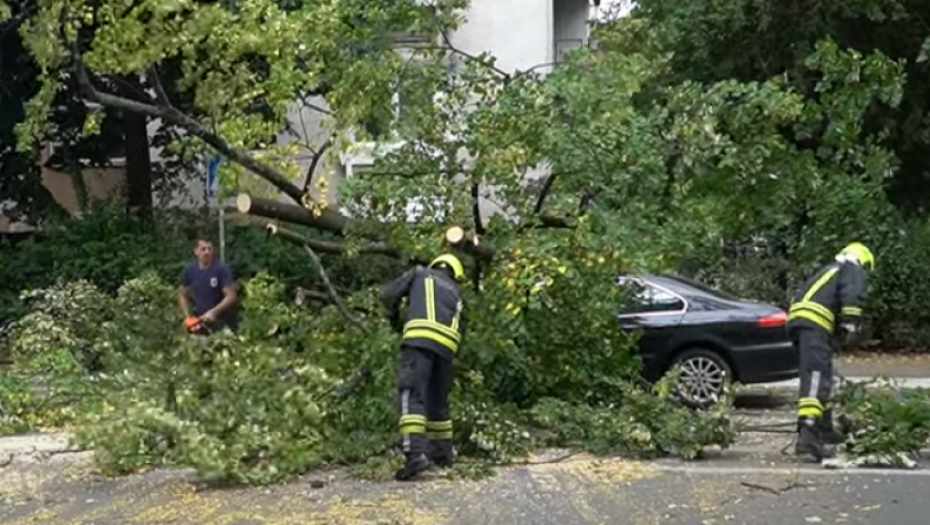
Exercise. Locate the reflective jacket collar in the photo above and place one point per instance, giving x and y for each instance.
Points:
(846, 258)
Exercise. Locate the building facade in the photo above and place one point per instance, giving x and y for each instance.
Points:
(521, 34)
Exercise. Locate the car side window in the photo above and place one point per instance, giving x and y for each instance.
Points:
(642, 298)
(662, 301)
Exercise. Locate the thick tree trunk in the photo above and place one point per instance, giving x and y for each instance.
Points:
(138, 160)
(335, 222)
(138, 165)
(326, 246)
(328, 220)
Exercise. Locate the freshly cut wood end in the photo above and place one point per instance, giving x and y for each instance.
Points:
(243, 203)
(272, 228)
(455, 235)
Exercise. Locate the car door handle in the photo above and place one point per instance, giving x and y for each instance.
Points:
(628, 324)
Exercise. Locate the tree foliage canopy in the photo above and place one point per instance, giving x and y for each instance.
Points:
(660, 150)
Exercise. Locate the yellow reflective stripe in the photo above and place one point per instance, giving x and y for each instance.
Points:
(817, 308)
(810, 412)
(812, 317)
(852, 311)
(429, 288)
(412, 424)
(820, 283)
(810, 407)
(432, 325)
(455, 318)
(439, 429)
(432, 336)
(810, 402)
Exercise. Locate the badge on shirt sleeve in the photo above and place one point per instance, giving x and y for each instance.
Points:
(213, 282)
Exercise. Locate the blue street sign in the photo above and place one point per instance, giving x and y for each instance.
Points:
(213, 182)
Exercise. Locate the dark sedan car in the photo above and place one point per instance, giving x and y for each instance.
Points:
(714, 337)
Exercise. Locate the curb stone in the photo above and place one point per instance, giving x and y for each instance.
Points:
(793, 384)
(31, 448)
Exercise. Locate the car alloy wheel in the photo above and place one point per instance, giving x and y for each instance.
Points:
(701, 379)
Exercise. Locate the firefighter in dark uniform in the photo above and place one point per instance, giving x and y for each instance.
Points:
(431, 337)
(827, 306)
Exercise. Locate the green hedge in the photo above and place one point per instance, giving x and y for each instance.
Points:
(898, 308)
(107, 247)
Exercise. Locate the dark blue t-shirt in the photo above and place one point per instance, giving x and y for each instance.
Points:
(206, 285)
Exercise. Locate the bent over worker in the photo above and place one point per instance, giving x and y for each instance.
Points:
(828, 305)
(431, 337)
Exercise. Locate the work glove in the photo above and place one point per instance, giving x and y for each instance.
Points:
(191, 323)
(849, 333)
(394, 319)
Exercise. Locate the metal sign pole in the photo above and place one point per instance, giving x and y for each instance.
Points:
(222, 233)
(213, 184)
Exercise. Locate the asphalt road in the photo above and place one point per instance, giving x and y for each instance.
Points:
(751, 484)
(575, 492)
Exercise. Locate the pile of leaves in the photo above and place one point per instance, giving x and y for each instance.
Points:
(285, 394)
(885, 424)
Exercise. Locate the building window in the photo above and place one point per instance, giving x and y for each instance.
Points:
(570, 26)
(565, 46)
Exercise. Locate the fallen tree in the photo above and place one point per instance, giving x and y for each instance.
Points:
(269, 402)
(662, 170)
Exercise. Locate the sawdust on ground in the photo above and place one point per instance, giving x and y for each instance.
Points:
(171, 498)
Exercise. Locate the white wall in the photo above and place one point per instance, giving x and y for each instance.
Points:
(521, 34)
(517, 32)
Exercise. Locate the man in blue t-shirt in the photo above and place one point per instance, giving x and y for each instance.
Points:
(209, 284)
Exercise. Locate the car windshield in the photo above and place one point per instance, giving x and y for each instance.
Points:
(702, 287)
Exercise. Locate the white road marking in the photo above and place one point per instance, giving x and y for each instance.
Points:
(790, 470)
(903, 382)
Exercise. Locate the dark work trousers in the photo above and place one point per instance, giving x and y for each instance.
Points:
(424, 382)
(815, 355)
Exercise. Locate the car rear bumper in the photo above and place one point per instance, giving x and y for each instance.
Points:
(765, 363)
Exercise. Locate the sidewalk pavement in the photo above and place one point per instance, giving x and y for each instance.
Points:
(793, 384)
(908, 371)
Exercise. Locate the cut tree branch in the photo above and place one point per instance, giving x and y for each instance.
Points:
(308, 180)
(476, 208)
(543, 193)
(160, 94)
(468, 244)
(447, 44)
(328, 219)
(173, 115)
(326, 246)
(334, 297)
(304, 294)
(314, 107)
(336, 223)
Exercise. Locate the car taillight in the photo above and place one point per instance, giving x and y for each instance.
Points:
(771, 321)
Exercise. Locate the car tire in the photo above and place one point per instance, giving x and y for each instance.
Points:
(703, 376)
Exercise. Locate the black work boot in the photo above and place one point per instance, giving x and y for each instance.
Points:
(440, 453)
(827, 430)
(415, 464)
(810, 442)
